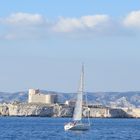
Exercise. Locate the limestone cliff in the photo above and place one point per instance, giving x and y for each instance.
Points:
(4, 110)
(61, 110)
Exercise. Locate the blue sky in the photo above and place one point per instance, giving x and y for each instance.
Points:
(43, 43)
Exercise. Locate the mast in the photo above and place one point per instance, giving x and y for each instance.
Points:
(81, 88)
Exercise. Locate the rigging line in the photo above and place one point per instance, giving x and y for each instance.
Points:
(87, 108)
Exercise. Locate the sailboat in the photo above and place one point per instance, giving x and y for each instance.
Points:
(76, 123)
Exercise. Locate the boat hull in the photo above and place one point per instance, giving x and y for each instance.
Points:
(77, 126)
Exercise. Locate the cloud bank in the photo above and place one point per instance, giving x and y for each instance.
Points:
(24, 19)
(26, 25)
(84, 23)
(133, 20)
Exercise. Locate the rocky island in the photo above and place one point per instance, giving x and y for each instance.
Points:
(47, 105)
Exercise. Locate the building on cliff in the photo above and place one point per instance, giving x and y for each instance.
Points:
(35, 96)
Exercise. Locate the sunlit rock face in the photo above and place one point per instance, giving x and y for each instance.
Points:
(30, 110)
(43, 110)
(62, 110)
(4, 110)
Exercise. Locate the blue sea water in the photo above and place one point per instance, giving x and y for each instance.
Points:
(37, 128)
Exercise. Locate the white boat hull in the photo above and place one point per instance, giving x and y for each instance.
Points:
(77, 126)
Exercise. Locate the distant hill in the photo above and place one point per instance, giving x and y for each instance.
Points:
(112, 99)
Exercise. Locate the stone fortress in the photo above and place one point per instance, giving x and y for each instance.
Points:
(35, 96)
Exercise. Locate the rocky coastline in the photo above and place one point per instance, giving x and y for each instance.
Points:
(63, 110)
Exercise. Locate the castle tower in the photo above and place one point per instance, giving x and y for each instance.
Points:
(32, 92)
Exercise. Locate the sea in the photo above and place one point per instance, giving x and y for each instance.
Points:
(43, 128)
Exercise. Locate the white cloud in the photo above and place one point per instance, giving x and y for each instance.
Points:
(35, 26)
(67, 25)
(24, 19)
(132, 20)
(93, 21)
(83, 23)
(23, 26)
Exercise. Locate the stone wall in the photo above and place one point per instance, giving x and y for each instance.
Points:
(135, 112)
(99, 112)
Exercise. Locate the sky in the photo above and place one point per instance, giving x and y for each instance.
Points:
(43, 44)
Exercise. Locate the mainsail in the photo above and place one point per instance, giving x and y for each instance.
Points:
(77, 116)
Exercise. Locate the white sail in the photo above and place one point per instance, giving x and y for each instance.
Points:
(77, 116)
